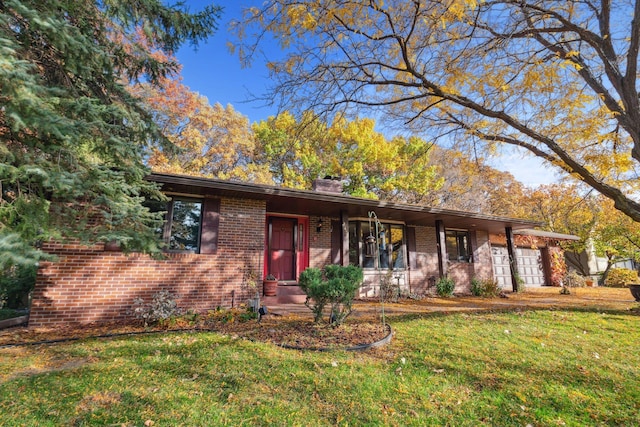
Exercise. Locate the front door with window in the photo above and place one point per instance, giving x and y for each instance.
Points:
(286, 248)
(282, 245)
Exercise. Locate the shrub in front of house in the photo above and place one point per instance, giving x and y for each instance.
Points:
(487, 288)
(334, 285)
(162, 307)
(621, 277)
(476, 287)
(445, 286)
(389, 289)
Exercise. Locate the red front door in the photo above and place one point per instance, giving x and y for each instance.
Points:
(282, 248)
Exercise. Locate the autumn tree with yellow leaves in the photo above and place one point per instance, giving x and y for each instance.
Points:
(207, 140)
(370, 164)
(615, 237)
(556, 78)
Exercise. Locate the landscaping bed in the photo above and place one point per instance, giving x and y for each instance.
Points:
(291, 330)
(363, 327)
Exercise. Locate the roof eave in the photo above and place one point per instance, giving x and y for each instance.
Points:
(307, 202)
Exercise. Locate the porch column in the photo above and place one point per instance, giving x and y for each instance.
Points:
(513, 261)
(442, 248)
(344, 227)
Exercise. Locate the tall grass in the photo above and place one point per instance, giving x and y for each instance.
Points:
(532, 367)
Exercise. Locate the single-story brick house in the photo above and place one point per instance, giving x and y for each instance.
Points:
(220, 233)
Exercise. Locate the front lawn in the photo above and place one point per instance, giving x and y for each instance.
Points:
(547, 367)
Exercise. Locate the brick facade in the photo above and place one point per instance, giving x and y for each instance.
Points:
(482, 256)
(86, 284)
(423, 277)
(320, 242)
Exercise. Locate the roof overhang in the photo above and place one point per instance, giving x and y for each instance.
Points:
(547, 234)
(314, 203)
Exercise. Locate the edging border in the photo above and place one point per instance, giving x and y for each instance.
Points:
(14, 321)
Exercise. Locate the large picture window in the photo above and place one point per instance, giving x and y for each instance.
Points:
(183, 222)
(386, 252)
(458, 246)
(184, 228)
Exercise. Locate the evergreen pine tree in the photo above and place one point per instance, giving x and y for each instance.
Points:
(73, 139)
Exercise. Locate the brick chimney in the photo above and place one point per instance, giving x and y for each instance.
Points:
(328, 184)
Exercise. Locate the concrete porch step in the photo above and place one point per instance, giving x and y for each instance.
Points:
(286, 294)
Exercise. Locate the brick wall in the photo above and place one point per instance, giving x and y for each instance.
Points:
(461, 273)
(320, 243)
(422, 278)
(88, 285)
(483, 261)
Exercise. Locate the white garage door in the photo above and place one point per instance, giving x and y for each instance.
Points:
(529, 266)
(501, 270)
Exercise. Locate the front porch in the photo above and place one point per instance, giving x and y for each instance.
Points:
(285, 294)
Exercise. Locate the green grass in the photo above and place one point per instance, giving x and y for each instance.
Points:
(541, 368)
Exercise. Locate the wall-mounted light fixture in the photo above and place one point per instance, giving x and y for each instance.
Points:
(319, 226)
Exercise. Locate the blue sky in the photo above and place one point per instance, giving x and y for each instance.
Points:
(215, 73)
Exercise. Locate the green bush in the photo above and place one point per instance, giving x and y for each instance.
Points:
(476, 287)
(520, 282)
(621, 277)
(15, 285)
(334, 285)
(445, 286)
(9, 313)
(487, 288)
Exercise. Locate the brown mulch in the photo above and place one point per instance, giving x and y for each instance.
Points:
(290, 331)
(303, 333)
